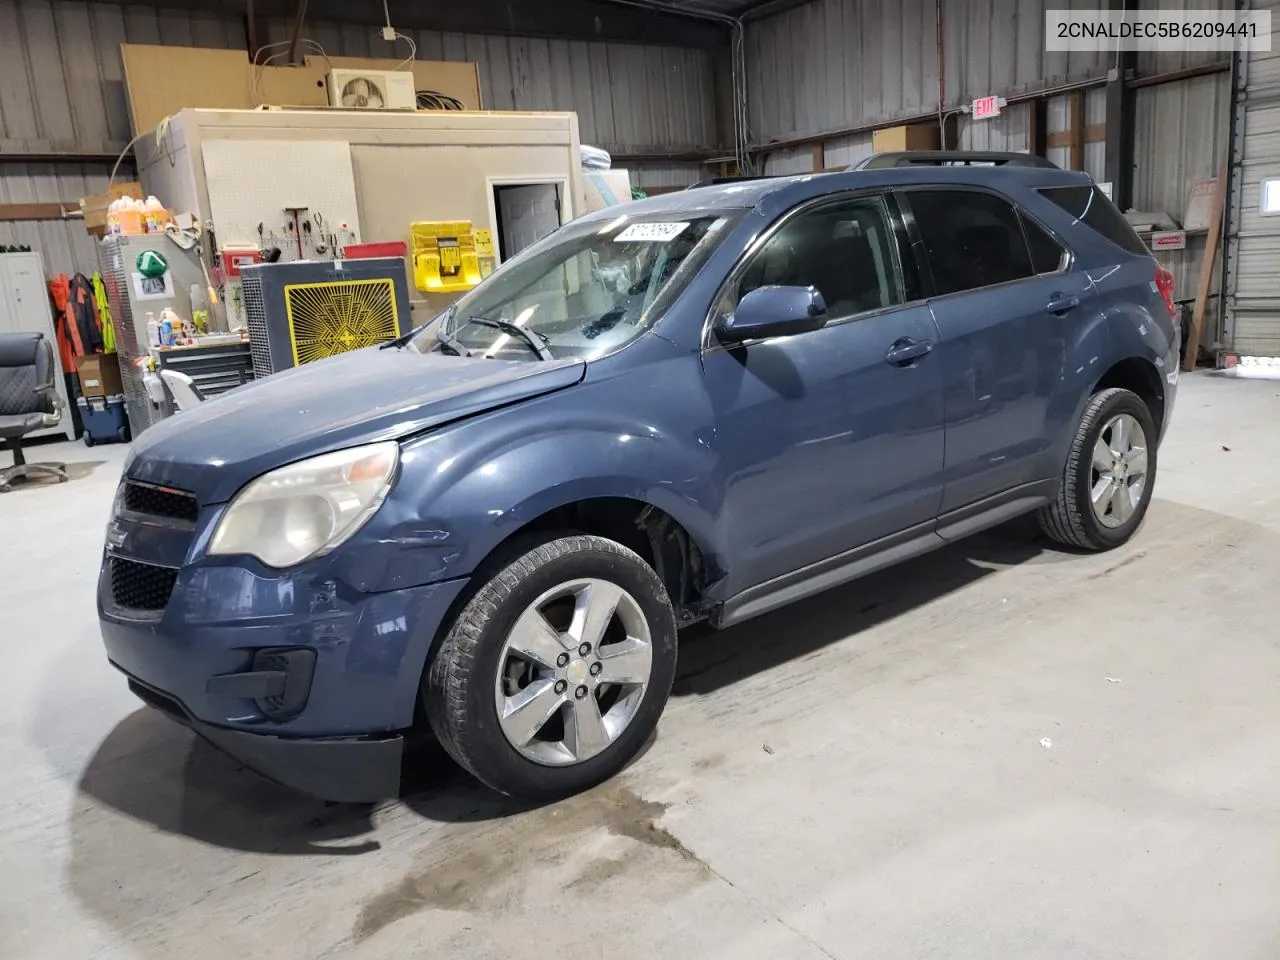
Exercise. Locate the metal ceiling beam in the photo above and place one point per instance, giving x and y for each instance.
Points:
(753, 11)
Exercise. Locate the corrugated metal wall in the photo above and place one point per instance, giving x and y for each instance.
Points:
(1252, 325)
(1180, 137)
(629, 98)
(62, 91)
(834, 64)
(665, 174)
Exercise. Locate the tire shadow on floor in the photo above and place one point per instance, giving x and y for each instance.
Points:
(156, 771)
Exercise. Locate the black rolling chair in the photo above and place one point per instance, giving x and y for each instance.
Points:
(28, 402)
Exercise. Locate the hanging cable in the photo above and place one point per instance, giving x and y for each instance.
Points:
(161, 131)
(413, 51)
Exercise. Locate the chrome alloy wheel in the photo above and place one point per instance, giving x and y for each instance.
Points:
(1119, 471)
(573, 671)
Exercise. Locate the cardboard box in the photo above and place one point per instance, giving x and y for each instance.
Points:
(94, 207)
(918, 136)
(607, 188)
(99, 375)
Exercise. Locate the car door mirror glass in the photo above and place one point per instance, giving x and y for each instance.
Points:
(773, 312)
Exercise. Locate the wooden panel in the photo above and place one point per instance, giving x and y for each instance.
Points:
(1094, 133)
(1075, 128)
(160, 81)
(1191, 349)
(63, 210)
(922, 136)
(163, 80)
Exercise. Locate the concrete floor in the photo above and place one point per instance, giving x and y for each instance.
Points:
(1001, 750)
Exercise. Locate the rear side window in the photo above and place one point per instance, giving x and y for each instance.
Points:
(1047, 255)
(1090, 205)
(972, 239)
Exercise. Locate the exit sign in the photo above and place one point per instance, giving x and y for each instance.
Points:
(984, 108)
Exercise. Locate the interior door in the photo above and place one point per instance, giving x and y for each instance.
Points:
(832, 439)
(529, 212)
(1007, 306)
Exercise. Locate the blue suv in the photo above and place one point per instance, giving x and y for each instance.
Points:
(697, 407)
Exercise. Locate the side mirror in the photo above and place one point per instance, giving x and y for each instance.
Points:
(773, 312)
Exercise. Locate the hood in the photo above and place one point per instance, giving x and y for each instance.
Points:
(359, 397)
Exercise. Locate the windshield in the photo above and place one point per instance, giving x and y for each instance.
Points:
(585, 291)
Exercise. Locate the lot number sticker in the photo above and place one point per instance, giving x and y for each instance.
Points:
(650, 232)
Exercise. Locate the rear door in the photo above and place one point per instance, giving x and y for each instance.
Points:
(1006, 302)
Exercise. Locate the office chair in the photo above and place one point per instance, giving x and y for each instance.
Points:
(183, 389)
(28, 402)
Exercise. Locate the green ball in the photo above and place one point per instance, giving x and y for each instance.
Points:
(152, 264)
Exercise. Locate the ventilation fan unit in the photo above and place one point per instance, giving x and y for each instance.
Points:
(372, 89)
(311, 309)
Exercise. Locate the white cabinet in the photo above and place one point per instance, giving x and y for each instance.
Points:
(24, 305)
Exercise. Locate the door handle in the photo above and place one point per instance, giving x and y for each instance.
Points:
(1060, 304)
(906, 351)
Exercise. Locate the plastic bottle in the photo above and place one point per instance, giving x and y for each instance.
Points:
(130, 216)
(166, 331)
(154, 215)
(153, 330)
(113, 217)
(182, 329)
(199, 308)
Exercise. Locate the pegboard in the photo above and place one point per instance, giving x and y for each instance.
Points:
(253, 181)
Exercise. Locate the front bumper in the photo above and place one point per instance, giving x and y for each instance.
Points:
(342, 769)
(302, 679)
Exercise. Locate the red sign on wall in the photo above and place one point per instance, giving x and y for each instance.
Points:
(984, 108)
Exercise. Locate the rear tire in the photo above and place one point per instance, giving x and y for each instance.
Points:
(556, 671)
(1109, 474)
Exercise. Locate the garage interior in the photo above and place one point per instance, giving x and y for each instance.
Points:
(1000, 749)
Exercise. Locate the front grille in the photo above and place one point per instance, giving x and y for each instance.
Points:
(160, 501)
(141, 586)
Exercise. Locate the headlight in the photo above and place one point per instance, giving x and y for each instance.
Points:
(306, 509)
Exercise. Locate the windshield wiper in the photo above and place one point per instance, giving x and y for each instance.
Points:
(404, 338)
(449, 343)
(536, 341)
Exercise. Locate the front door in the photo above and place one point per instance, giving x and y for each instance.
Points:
(831, 439)
(1008, 308)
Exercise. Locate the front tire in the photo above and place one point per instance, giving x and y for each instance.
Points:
(1109, 474)
(556, 671)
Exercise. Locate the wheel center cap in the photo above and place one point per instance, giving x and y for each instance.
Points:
(577, 671)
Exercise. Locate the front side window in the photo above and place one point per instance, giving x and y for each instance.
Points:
(972, 239)
(845, 249)
(582, 292)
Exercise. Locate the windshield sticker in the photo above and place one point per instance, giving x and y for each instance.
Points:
(650, 232)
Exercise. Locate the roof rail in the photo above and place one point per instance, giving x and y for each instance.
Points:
(713, 181)
(924, 158)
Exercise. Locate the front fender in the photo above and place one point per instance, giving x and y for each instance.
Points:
(465, 489)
